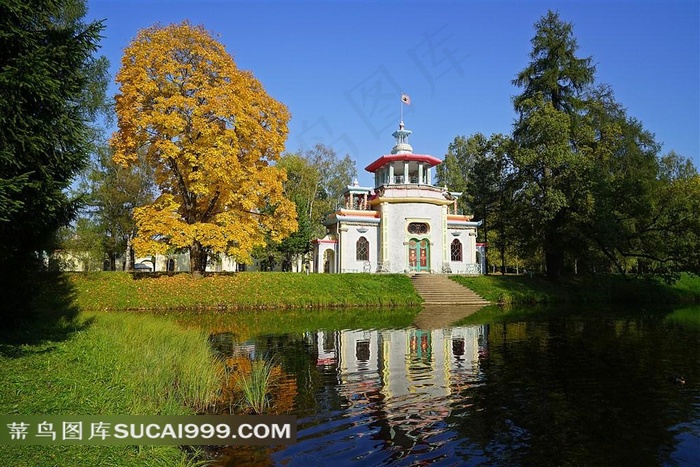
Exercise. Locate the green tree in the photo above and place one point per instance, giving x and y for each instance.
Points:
(555, 72)
(82, 247)
(580, 183)
(545, 156)
(493, 190)
(51, 87)
(302, 187)
(620, 180)
(315, 180)
(590, 183)
(114, 192)
(298, 244)
(335, 174)
(651, 225)
(456, 171)
(481, 169)
(303, 181)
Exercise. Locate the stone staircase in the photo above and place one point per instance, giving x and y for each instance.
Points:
(438, 289)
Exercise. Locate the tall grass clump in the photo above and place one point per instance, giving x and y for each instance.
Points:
(256, 386)
(250, 383)
(163, 366)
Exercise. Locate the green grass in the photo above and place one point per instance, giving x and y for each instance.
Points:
(121, 291)
(688, 285)
(600, 288)
(511, 289)
(105, 364)
(688, 316)
(255, 386)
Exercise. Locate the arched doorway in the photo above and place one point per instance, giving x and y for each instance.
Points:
(419, 255)
(329, 261)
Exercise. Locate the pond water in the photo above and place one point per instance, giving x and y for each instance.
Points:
(517, 387)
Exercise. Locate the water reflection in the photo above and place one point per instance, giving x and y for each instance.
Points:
(545, 389)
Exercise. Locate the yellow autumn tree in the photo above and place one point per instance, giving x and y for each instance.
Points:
(212, 134)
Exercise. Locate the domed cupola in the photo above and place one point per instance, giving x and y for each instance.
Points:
(402, 146)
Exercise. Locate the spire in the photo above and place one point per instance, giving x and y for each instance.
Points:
(402, 146)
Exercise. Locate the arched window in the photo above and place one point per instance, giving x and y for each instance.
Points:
(456, 250)
(362, 249)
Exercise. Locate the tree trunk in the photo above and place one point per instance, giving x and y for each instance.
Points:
(129, 255)
(554, 259)
(198, 258)
(503, 259)
(554, 247)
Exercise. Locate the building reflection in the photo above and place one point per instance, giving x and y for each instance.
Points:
(404, 379)
(398, 385)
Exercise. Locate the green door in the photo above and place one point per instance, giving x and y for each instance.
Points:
(419, 255)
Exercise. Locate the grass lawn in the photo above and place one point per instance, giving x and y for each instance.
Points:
(104, 364)
(600, 288)
(122, 291)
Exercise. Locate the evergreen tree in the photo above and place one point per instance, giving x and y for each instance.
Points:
(555, 72)
(545, 156)
(51, 87)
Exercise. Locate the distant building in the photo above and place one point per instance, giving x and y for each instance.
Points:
(175, 262)
(403, 224)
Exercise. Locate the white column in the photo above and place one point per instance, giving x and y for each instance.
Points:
(391, 173)
(384, 228)
(420, 173)
(429, 180)
(445, 247)
(406, 179)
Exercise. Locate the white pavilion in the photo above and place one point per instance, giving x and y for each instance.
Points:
(404, 224)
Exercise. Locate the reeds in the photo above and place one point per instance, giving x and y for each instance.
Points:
(256, 386)
(162, 364)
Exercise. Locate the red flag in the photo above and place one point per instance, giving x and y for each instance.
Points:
(405, 99)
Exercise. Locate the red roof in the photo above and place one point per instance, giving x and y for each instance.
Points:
(382, 161)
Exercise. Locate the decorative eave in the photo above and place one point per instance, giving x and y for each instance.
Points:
(412, 199)
(358, 219)
(382, 161)
(346, 215)
(455, 223)
(322, 240)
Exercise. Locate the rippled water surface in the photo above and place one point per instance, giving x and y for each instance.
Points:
(523, 387)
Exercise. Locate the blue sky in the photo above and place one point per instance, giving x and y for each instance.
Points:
(341, 67)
